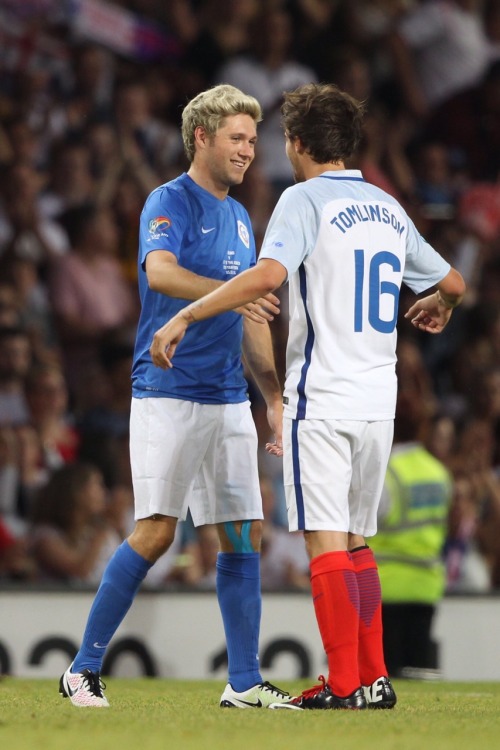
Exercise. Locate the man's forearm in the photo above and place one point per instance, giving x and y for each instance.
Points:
(179, 283)
(248, 286)
(451, 290)
(259, 356)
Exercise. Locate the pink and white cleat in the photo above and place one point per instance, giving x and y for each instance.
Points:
(84, 689)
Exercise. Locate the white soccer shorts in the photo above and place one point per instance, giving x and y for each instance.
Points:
(334, 472)
(197, 456)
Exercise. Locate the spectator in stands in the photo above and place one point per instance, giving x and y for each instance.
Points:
(15, 561)
(82, 94)
(90, 89)
(441, 438)
(35, 99)
(89, 293)
(71, 538)
(205, 550)
(24, 230)
(33, 309)
(127, 206)
(15, 361)
(113, 158)
(414, 381)
(435, 187)
(123, 180)
(265, 72)
(476, 366)
(190, 561)
(224, 31)
(23, 144)
(10, 309)
(47, 399)
(9, 479)
(21, 475)
(467, 571)
(472, 548)
(439, 48)
(381, 156)
(475, 145)
(104, 426)
(71, 183)
(319, 29)
(284, 563)
(143, 139)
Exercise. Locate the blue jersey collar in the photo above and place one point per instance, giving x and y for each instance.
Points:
(343, 174)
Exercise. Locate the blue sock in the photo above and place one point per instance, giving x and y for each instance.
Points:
(120, 582)
(240, 602)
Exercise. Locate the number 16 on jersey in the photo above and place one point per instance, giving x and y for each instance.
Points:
(382, 295)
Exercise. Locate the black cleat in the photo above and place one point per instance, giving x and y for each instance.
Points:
(321, 697)
(380, 694)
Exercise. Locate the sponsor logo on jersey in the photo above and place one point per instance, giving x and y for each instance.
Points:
(243, 233)
(159, 224)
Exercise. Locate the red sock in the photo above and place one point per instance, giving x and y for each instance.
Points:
(371, 649)
(336, 603)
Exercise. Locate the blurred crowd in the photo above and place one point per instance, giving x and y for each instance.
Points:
(89, 125)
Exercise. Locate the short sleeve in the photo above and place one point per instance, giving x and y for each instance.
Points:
(163, 223)
(424, 266)
(292, 230)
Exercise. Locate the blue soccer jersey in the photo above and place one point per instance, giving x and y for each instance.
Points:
(211, 238)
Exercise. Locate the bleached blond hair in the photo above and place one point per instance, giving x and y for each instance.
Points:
(209, 109)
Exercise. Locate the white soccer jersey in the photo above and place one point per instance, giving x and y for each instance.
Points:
(347, 247)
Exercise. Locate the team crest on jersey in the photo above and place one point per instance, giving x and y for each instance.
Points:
(159, 224)
(243, 233)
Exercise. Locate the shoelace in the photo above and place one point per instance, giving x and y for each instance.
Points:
(315, 689)
(94, 683)
(274, 689)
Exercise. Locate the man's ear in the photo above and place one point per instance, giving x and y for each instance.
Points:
(298, 146)
(200, 136)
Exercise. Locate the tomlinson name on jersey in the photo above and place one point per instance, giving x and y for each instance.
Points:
(359, 212)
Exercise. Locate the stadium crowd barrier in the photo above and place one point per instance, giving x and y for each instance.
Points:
(179, 634)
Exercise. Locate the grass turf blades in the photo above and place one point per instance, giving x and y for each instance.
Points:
(154, 714)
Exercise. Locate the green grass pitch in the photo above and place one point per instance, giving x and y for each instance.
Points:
(154, 714)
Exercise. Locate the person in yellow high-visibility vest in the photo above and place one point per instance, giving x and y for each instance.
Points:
(408, 546)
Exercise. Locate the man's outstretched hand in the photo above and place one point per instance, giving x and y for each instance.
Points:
(166, 339)
(429, 314)
(262, 310)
